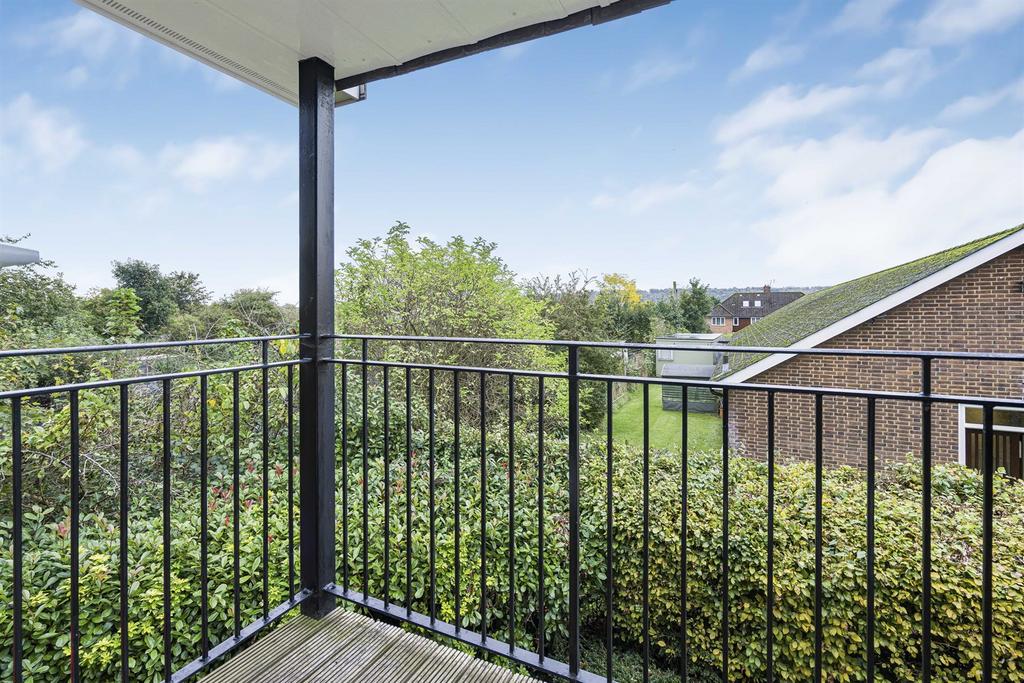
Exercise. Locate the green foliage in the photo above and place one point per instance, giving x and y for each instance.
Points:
(686, 310)
(627, 317)
(115, 314)
(956, 553)
(956, 569)
(956, 546)
(188, 290)
(154, 289)
(31, 296)
(47, 585)
(398, 286)
(392, 285)
(571, 306)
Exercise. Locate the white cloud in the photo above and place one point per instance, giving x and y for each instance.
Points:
(91, 35)
(899, 69)
(850, 160)
(949, 22)
(860, 229)
(125, 157)
(644, 197)
(106, 49)
(35, 136)
(771, 55)
(77, 76)
(783, 106)
(654, 72)
(219, 80)
(511, 53)
(207, 161)
(864, 15)
(973, 105)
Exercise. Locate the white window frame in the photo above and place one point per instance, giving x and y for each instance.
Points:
(757, 303)
(717, 321)
(964, 425)
(746, 303)
(754, 320)
(665, 354)
(735, 322)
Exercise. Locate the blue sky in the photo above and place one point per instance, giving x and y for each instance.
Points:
(795, 143)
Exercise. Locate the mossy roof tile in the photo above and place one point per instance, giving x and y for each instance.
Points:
(818, 310)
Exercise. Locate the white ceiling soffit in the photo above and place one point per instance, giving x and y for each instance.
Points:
(261, 41)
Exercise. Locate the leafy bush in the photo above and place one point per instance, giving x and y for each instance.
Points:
(47, 583)
(956, 560)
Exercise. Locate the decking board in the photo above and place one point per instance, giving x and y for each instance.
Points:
(344, 647)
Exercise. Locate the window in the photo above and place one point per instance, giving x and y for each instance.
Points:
(718, 321)
(757, 303)
(1007, 438)
(664, 354)
(754, 320)
(746, 304)
(735, 321)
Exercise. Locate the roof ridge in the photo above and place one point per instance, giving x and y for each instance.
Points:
(986, 240)
(821, 310)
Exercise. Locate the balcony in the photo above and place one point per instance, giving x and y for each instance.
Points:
(478, 506)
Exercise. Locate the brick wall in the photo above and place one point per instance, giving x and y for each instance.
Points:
(982, 310)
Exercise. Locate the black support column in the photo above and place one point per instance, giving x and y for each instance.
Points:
(316, 319)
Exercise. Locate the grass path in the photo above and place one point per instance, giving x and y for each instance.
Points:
(665, 425)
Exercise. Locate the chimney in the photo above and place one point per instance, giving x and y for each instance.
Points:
(767, 293)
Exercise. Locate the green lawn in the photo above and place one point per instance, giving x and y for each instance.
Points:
(628, 419)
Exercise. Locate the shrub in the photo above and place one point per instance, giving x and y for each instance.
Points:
(956, 561)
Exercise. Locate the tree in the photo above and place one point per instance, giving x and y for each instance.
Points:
(156, 296)
(627, 317)
(397, 286)
(686, 310)
(257, 310)
(31, 297)
(188, 290)
(392, 285)
(116, 314)
(570, 305)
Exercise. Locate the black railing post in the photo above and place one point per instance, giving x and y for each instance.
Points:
(316, 323)
(574, 510)
(926, 520)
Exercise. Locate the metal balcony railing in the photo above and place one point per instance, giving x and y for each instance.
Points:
(480, 422)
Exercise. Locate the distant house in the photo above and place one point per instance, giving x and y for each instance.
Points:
(686, 362)
(745, 308)
(968, 298)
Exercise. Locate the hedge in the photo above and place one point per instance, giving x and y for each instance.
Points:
(956, 546)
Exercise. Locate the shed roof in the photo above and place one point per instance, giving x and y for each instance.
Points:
(687, 370)
(817, 316)
(261, 41)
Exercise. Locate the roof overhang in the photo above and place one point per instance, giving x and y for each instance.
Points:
(262, 41)
(876, 309)
(17, 256)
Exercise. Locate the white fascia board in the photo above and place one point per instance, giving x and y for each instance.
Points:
(964, 265)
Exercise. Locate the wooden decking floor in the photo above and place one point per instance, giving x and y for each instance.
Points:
(345, 646)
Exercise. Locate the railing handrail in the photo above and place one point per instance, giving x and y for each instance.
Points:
(144, 379)
(102, 348)
(720, 348)
(694, 383)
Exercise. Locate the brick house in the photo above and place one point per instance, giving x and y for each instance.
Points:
(968, 298)
(743, 308)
